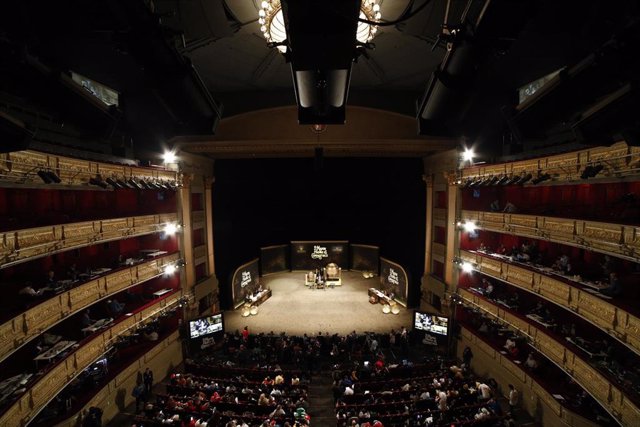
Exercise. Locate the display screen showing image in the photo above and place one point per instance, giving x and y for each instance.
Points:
(431, 323)
(205, 326)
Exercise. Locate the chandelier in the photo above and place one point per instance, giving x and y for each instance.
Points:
(271, 20)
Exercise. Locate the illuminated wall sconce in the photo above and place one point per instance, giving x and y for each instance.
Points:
(171, 228)
(465, 266)
(99, 182)
(467, 226)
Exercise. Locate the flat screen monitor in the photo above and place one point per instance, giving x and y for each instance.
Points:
(206, 326)
(430, 323)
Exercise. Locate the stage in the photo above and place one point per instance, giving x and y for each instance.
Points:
(296, 309)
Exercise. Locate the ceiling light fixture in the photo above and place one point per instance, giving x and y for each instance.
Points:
(272, 23)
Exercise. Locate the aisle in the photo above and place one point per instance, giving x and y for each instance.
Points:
(296, 309)
(321, 406)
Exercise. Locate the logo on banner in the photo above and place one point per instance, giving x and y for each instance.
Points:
(246, 279)
(393, 277)
(207, 342)
(319, 252)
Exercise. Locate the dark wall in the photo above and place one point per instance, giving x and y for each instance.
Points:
(273, 201)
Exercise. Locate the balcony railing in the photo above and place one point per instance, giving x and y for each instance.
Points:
(46, 387)
(612, 319)
(619, 160)
(616, 239)
(609, 396)
(31, 323)
(536, 389)
(21, 167)
(22, 245)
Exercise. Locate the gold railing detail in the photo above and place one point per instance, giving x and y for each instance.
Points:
(532, 387)
(615, 239)
(42, 391)
(41, 317)
(618, 160)
(606, 316)
(609, 395)
(23, 166)
(21, 245)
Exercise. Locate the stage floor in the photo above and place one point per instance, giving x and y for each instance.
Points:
(296, 309)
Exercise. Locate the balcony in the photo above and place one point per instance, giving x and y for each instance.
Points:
(619, 240)
(44, 388)
(611, 397)
(615, 320)
(31, 323)
(21, 245)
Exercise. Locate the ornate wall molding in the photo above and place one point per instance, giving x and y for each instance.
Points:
(31, 323)
(45, 388)
(615, 321)
(591, 380)
(22, 245)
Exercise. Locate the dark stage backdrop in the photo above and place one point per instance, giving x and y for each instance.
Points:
(264, 202)
(312, 255)
(244, 281)
(394, 279)
(274, 259)
(365, 258)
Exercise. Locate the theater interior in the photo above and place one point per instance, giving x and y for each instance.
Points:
(320, 212)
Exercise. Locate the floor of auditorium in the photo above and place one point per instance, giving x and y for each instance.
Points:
(296, 309)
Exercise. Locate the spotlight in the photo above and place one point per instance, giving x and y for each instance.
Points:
(169, 157)
(171, 228)
(134, 184)
(112, 182)
(55, 178)
(475, 182)
(493, 180)
(45, 177)
(596, 170)
(469, 227)
(524, 179)
(98, 182)
(467, 183)
(503, 180)
(541, 178)
(467, 267)
(124, 184)
(586, 173)
(591, 171)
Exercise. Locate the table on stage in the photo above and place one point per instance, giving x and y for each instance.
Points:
(380, 296)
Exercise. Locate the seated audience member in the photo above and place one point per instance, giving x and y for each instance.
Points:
(614, 288)
(510, 208)
(150, 334)
(73, 272)
(86, 319)
(563, 264)
(115, 308)
(531, 362)
(485, 392)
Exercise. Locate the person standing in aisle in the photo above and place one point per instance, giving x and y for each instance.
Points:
(147, 378)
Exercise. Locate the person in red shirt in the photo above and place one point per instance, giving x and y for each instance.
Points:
(245, 334)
